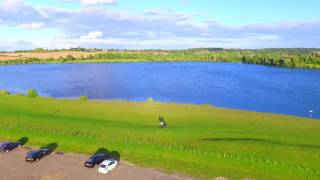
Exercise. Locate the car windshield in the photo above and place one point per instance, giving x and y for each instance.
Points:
(103, 166)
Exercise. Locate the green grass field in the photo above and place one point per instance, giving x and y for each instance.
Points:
(201, 141)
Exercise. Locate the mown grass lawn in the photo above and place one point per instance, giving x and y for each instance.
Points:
(201, 141)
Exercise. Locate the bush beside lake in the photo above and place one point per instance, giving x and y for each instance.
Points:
(32, 93)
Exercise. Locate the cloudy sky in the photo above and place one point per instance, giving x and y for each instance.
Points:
(165, 24)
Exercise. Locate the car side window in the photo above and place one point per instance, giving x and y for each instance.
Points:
(111, 163)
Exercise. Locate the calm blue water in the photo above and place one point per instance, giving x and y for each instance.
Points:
(250, 87)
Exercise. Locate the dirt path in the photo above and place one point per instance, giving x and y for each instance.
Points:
(68, 167)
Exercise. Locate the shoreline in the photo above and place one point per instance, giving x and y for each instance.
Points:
(93, 61)
(168, 102)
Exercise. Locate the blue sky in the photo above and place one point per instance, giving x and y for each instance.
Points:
(166, 24)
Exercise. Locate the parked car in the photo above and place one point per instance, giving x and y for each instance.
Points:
(95, 160)
(107, 165)
(9, 146)
(37, 154)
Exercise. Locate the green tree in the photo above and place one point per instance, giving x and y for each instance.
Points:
(32, 93)
(70, 58)
(4, 92)
(39, 50)
(84, 98)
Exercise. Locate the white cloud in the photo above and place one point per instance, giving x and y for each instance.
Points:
(150, 34)
(96, 2)
(91, 2)
(32, 25)
(268, 37)
(184, 2)
(13, 2)
(96, 26)
(92, 35)
(132, 33)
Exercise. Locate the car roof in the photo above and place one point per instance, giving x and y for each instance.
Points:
(33, 152)
(106, 162)
(4, 143)
(38, 150)
(97, 155)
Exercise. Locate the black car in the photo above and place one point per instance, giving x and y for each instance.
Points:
(9, 146)
(95, 160)
(37, 154)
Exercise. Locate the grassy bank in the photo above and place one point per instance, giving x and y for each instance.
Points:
(201, 141)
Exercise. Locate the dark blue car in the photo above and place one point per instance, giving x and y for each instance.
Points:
(9, 146)
(37, 154)
(95, 160)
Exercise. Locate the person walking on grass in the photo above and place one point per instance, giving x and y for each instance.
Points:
(163, 124)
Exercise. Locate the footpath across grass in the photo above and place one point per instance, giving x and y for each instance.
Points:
(201, 141)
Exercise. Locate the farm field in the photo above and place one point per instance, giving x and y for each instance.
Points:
(42, 55)
(201, 141)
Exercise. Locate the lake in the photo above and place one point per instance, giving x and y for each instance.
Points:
(230, 85)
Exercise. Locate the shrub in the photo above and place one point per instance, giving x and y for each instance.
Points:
(150, 99)
(19, 94)
(70, 58)
(4, 92)
(32, 93)
(84, 98)
(39, 50)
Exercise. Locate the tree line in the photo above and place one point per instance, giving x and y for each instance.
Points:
(293, 58)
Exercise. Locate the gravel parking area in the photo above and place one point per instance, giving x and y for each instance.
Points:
(68, 167)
